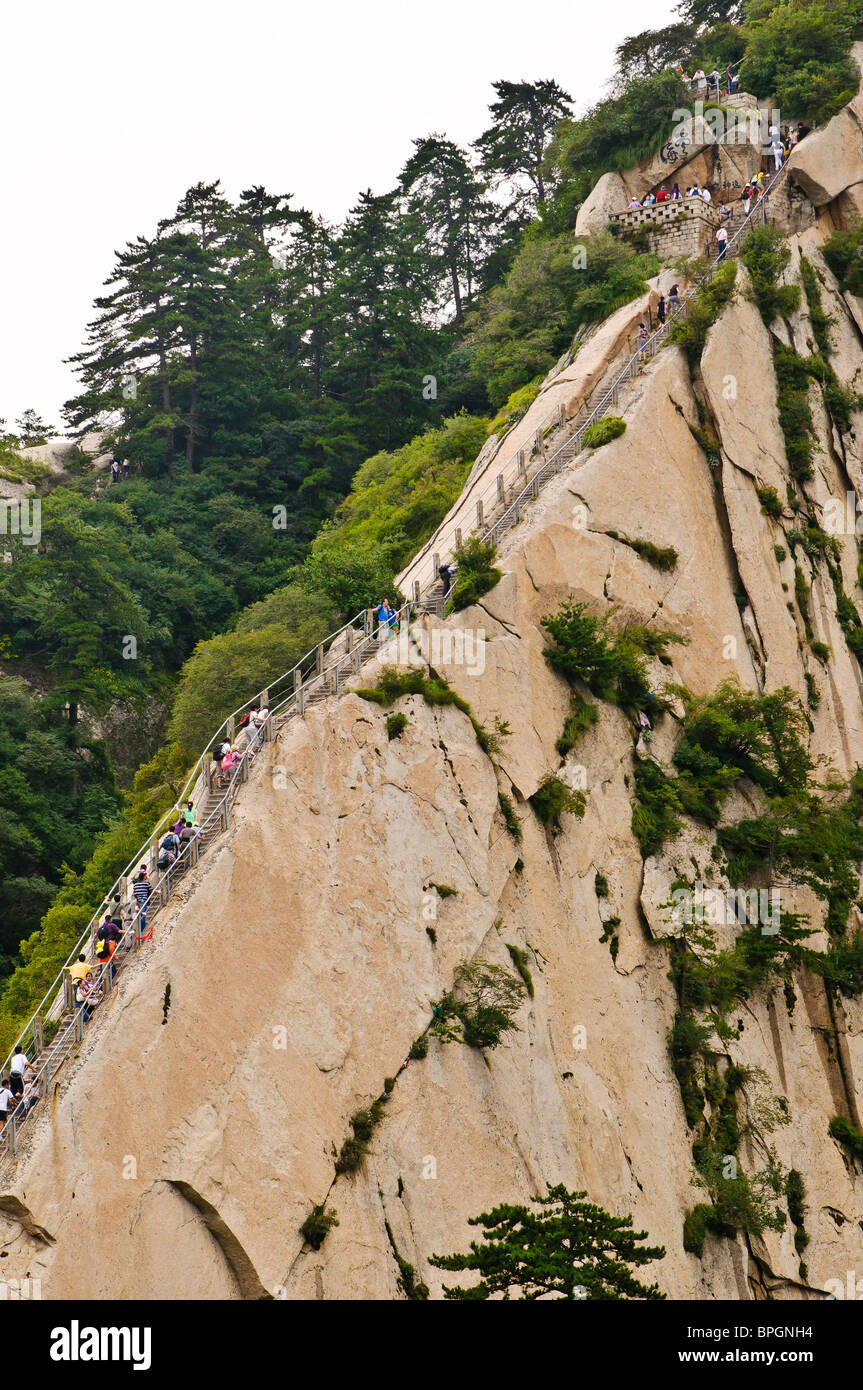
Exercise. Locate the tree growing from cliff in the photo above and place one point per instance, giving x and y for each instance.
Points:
(569, 1248)
(524, 117)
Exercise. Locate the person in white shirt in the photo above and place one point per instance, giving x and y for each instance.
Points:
(705, 193)
(17, 1068)
(257, 724)
(7, 1101)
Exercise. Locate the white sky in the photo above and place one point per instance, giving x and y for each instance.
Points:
(110, 111)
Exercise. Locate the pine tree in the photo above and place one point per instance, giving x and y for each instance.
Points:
(382, 347)
(31, 429)
(569, 1248)
(444, 193)
(525, 116)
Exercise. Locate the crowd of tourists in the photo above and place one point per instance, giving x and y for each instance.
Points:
(710, 84)
(18, 1094)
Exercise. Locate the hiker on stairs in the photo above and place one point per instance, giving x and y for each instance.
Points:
(142, 888)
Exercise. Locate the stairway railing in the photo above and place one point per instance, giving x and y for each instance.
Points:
(325, 670)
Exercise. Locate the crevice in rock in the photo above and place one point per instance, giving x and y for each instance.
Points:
(13, 1207)
(237, 1258)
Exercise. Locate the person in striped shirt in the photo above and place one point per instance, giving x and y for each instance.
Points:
(142, 888)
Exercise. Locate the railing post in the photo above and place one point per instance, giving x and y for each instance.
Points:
(319, 658)
(479, 521)
(436, 563)
(560, 417)
(232, 728)
(68, 993)
(336, 681)
(265, 698)
(367, 622)
(501, 490)
(195, 849)
(416, 591)
(38, 1035)
(537, 441)
(14, 1139)
(522, 472)
(458, 538)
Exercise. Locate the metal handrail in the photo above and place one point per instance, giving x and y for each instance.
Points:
(310, 670)
(610, 395)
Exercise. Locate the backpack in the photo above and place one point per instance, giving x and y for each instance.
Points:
(245, 719)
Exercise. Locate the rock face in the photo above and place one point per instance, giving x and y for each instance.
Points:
(700, 154)
(198, 1128)
(828, 164)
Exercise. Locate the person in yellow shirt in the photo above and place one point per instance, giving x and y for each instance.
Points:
(79, 969)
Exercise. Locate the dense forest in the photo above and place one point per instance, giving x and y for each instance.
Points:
(299, 404)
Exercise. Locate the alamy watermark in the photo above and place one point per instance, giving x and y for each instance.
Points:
(715, 907)
(22, 518)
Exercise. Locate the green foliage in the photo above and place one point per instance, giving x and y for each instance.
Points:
(569, 1247)
(510, 818)
(553, 798)
(663, 558)
(735, 733)
(517, 333)
(841, 966)
(600, 885)
(520, 960)
(317, 1225)
(770, 502)
(516, 405)
(356, 1146)
(797, 52)
(690, 330)
(419, 1048)
(656, 814)
(396, 724)
(765, 253)
(156, 788)
(443, 890)
(728, 735)
(57, 793)
(801, 593)
(393, 683)
(476, 573)
(813, 841)
(842, 252)
(582, 716)
(795, 1194)
(224, 671)
(821, 651)
(396, 499)
(611, 665)
(613, 134)
(481, 1007)
(848, 1135)
(608, 428)
(744, 1202)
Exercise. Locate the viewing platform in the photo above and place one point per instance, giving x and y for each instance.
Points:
(677, 227)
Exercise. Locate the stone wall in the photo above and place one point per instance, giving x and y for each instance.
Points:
(685, 227)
